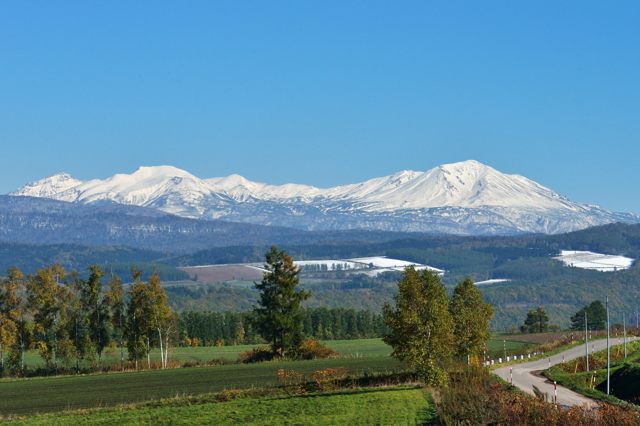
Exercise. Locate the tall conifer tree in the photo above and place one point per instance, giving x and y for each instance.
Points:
(279, 314)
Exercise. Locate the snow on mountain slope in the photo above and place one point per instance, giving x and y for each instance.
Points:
(464, 184)
(466, 197)
(242, 189)
(164, 187)
(50, 187)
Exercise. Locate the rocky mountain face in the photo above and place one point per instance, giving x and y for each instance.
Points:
(467, 198)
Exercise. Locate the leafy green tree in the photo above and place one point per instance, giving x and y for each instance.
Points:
(96, 309)
(596, 317)
(138, 324)
(421, 327)
(471, 317)
(15, 309)
(114, 299)
(162, 318)
(279, 314)
(78, 326)
(43, 292)
(9, 302)
(537, 321)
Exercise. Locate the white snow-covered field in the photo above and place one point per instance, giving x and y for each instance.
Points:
(331, 264)
(384, 262)
(378, 271)
(595, 261)
(493, 281)
(371, 266)
(380, 264)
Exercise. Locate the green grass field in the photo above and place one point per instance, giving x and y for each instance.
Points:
(22, 396)
(392, 406)
(346, 348)
(45, 394)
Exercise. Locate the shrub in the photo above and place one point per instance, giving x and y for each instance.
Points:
(313, 349)
(259, 354)
(228, 395)
(475, 397)
(329, 378)
(292, 381)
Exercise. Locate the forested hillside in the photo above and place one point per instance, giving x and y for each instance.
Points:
(535, 278)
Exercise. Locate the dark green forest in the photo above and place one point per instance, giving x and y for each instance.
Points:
(232, 328)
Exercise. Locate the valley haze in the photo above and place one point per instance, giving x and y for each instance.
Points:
(464, 198)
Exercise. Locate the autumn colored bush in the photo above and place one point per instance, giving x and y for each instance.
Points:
(293, 382)
(329, 378)
(475, 397)
(313, 349)
(228, 395)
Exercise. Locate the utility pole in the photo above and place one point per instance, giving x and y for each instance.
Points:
(624, 332)
(586, 338)
(608, 352)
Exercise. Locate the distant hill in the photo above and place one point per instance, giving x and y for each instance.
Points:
(535, 277)
(527, 261)
(42, 221)
(30, 257)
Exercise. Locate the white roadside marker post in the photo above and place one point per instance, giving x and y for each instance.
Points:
(511, 375)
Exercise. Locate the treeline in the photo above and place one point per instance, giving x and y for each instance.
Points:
(71, 321)
(233, 328)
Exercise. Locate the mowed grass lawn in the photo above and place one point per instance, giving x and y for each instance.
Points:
(392, 406)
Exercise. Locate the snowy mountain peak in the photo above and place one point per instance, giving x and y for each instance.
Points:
(465, 165)
(48, 187)
(456, 197)
(160, 171)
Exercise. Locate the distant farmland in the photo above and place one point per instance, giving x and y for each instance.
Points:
(223, 273)
(371, 266)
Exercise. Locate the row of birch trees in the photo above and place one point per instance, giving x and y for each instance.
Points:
(71, 321)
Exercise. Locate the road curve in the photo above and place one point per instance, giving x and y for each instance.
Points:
(524, 377)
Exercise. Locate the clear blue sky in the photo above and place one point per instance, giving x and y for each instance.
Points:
(324, 92)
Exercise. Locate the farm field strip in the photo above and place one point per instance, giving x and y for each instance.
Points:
(370, 266)
(23, 396)
(394, 405)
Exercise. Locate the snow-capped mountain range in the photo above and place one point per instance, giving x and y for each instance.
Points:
(461, 198)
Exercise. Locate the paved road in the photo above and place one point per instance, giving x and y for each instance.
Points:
(524, 378)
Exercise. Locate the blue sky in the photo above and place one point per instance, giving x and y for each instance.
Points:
(326, 92)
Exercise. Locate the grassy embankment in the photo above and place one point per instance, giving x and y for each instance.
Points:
(624, 375)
